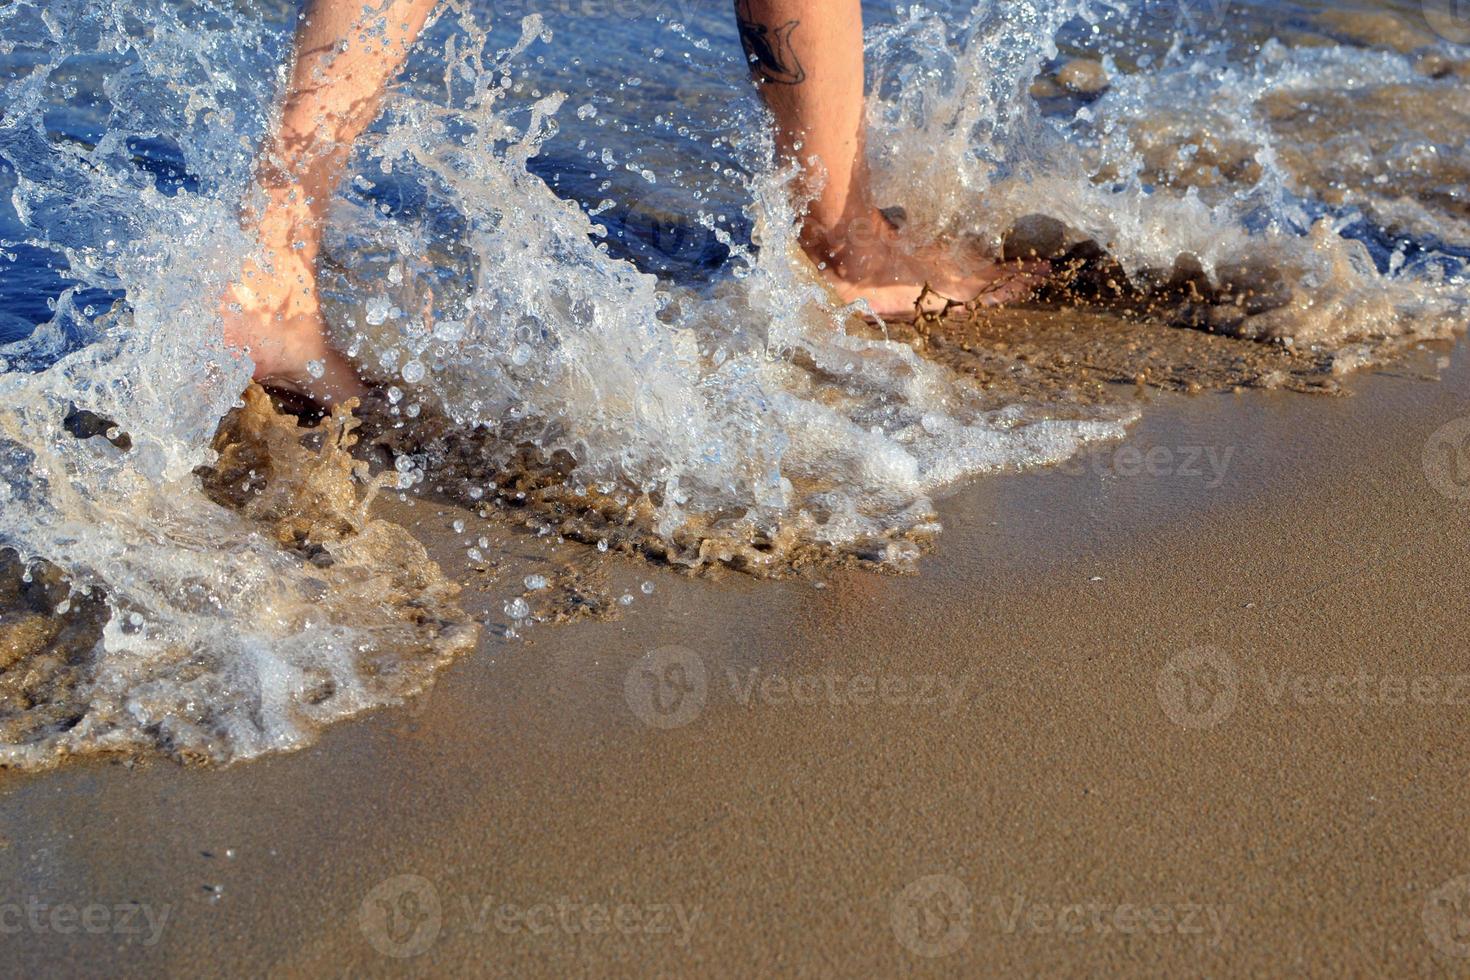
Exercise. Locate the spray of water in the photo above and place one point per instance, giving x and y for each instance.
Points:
(742, 406)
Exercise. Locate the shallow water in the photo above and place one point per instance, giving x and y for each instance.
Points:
(620, 326)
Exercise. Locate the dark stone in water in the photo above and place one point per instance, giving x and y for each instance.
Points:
(1035, 236)
(1253, 287)
(1084, 76)
(1091, 273)
(84, 425)
(1186, 280)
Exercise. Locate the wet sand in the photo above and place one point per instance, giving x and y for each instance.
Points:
(1197, 710)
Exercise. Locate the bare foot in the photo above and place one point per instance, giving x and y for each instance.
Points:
(868, 261)
(274, 315)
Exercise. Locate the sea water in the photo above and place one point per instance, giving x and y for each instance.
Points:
(566, 233)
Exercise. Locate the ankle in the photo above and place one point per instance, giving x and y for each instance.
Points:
(843, 247)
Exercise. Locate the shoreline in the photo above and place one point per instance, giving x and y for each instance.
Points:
(1113, 693)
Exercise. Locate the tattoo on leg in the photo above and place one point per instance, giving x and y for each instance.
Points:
(768, 48)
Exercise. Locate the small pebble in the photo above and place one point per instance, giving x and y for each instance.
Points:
(1084, 76)
(1045, 88)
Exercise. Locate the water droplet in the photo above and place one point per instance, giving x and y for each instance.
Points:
(377, 310)
(449, 331)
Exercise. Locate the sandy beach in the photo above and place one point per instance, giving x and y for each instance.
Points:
(1194, 706)
(1099, 609)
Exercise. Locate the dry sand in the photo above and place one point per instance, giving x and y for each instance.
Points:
(1300, 808)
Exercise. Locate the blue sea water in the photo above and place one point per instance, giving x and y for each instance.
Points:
(667, 81)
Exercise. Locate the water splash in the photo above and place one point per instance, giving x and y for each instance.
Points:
(747, 407)
(738, 403)
(218, 642)
(1247, 160)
